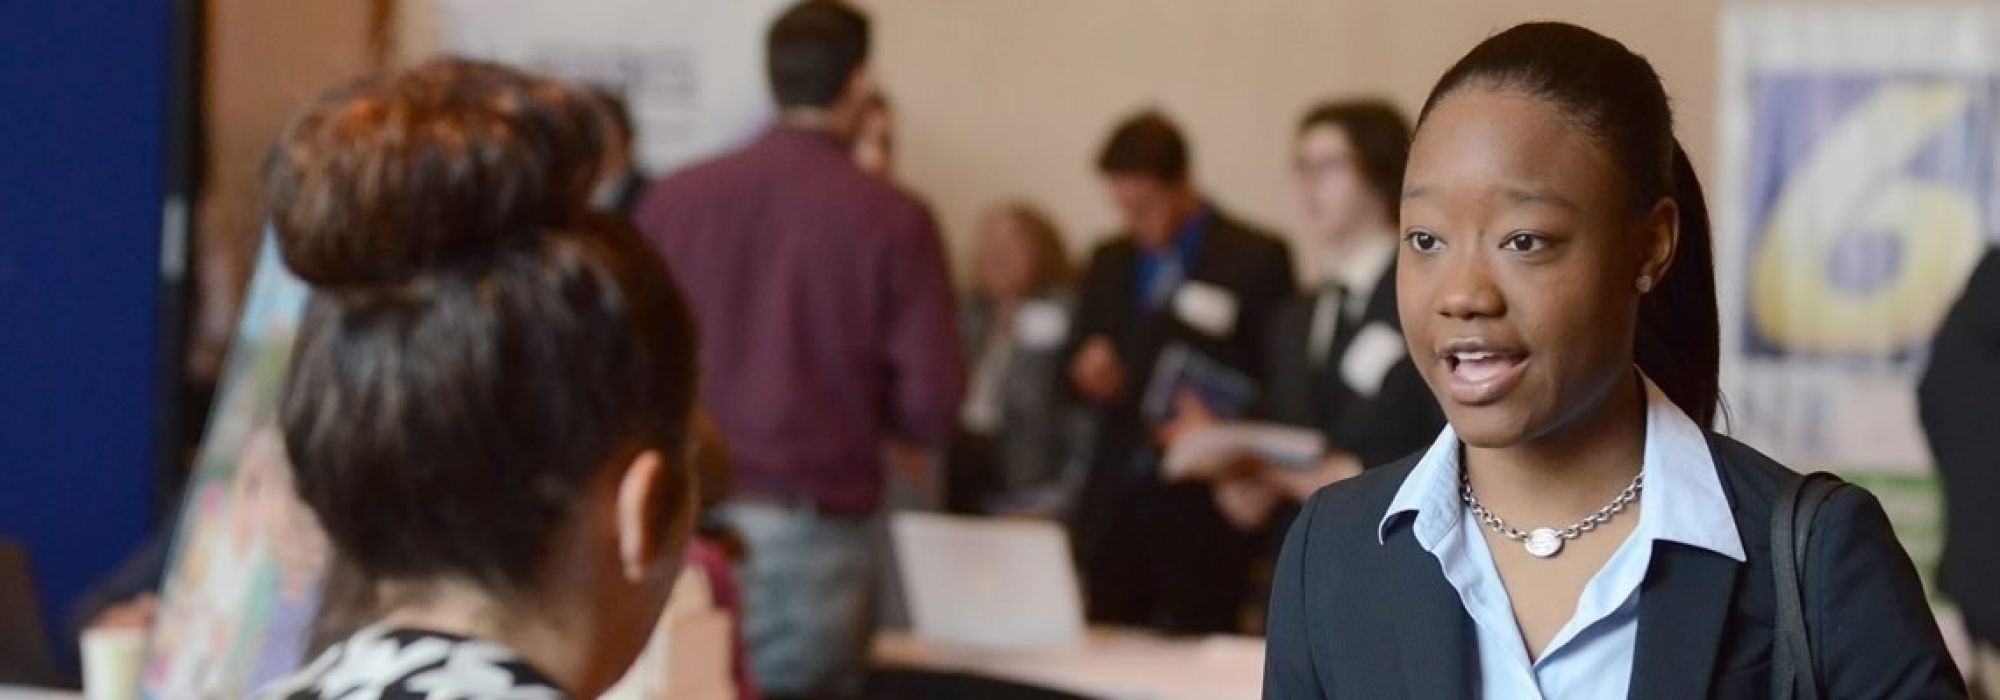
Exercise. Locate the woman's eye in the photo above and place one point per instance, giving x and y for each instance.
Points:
(1524, 243)
(1423, 241)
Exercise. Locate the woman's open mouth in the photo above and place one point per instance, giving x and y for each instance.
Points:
(1479, 372)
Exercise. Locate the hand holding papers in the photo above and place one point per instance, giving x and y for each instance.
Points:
(1212, 450)
(1182, 371)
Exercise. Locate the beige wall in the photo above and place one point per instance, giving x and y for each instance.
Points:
(1011, 98)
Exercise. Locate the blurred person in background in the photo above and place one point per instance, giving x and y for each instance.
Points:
(707, 587)
(489, 401)
(621, 181)
(715, 549)
(1337, 358)
(875, 144)
(913, 481)
(1017, 431)
(1184, 277)
(1956, 400)
(828, 335)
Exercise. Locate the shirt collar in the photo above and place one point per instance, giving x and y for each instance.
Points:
(1684, 500)
(782, 132)
(1188, 235)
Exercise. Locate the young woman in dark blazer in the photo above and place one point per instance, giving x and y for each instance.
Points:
(1576, 531)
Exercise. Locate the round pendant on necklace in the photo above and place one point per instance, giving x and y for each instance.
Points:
(1544, 543)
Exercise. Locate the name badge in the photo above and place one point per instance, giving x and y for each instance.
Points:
(1206, 308)
(1041, 325)
(1368, 359)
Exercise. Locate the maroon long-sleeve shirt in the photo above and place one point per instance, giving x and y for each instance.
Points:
(826, 314)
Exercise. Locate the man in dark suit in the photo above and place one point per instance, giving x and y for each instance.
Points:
(1183, 280)
(1959, 393)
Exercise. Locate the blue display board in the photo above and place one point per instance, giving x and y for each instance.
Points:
(82, 141)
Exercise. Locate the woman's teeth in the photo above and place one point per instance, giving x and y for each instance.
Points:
(1479, 366)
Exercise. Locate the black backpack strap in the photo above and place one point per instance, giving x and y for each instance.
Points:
(1793, 674)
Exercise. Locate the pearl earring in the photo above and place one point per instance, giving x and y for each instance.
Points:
(1645, 283)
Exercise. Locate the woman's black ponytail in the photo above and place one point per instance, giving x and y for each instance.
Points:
(1679, 341)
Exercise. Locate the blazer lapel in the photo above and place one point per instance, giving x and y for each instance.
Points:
(1682, 608)
(1432, 627)
(1381, 309)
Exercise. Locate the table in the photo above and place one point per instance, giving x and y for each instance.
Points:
(15, 692)
(1109, 663)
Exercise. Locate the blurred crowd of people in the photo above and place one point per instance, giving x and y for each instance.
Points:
(836, 354)
(823, 293)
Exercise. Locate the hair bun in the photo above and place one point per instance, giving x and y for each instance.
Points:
(388, 177)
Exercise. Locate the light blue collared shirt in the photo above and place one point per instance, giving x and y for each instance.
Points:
(1591, 656)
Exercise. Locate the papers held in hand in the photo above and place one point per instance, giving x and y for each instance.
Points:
(1213, 450)
(1182, 370)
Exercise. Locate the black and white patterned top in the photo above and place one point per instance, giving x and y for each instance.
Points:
(382, 664)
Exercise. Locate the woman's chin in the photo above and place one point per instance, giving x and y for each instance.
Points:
(1489, 427)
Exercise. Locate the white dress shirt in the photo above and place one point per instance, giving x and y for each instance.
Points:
(1591, 656)
(1355, 273)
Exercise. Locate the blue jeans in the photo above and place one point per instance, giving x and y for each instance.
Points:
(807, 583)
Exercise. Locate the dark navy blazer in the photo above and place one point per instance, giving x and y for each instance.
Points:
(1352, 617)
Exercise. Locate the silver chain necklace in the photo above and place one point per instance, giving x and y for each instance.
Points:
(1545, 542)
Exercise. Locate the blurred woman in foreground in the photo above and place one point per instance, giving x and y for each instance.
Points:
(489, 398)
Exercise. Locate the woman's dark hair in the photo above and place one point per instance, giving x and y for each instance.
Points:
(477, 349)
(1052, 265)
(812, 50)
(1380, 135)
(1146, 144)
(1616, 96)
(578, 129)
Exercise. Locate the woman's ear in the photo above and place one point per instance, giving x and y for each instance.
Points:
(1659, 237)
(641, 539)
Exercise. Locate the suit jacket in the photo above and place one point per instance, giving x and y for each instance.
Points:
(1033, 449)
(1957, 399)
(1400, 417)
(1354, 618)
(1254, 266)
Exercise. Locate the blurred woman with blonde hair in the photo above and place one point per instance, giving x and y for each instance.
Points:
(1017, 442)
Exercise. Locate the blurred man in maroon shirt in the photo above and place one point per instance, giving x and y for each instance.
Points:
(828, 338)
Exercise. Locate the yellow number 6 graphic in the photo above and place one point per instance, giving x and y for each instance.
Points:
(1855, 180)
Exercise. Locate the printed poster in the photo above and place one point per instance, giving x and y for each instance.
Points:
(692, 71)
(1856, 190)
(243, 578)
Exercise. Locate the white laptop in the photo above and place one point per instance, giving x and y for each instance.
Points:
(988, 582)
